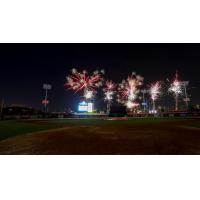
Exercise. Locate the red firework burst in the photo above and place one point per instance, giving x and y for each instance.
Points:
(110, 86)
(79, 81)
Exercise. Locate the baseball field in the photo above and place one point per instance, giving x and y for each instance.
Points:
(117, 136)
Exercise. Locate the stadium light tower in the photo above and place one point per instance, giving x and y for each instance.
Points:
(176, 89)
(45, 102)
(144, 103)
(186, 99)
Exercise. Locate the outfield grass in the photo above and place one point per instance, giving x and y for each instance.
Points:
(130, 121)
(13, 128)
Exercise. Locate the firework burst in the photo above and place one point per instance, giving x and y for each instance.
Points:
(128, 90)
(109, 91)
(155, 90)
(176, 89)
(88, 94)
(82, 81)
(130, 104)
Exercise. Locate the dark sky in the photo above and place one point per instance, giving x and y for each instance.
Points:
(25, 67)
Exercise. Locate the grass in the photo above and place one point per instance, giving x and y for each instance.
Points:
(131, 121)
(15, 127)
(99, 136)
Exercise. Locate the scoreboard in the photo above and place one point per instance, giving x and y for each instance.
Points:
(85, 107)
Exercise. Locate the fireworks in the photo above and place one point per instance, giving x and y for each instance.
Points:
(109, 95)
(176, 89)
(130, 104)
(82, 81)
(155, 90)
(88, 94)
(109, 92)
(128, 90)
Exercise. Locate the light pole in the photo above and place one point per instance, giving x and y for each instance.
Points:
(177, 93)
(46, 87)
(176, 89)
(176, 100)
(154, 105)
(185, 85)
(108, 107)
(144, 103)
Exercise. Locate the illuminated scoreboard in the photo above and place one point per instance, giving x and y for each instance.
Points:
(85, 107)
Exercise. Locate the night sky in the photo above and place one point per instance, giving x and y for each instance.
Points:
(25, 67)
